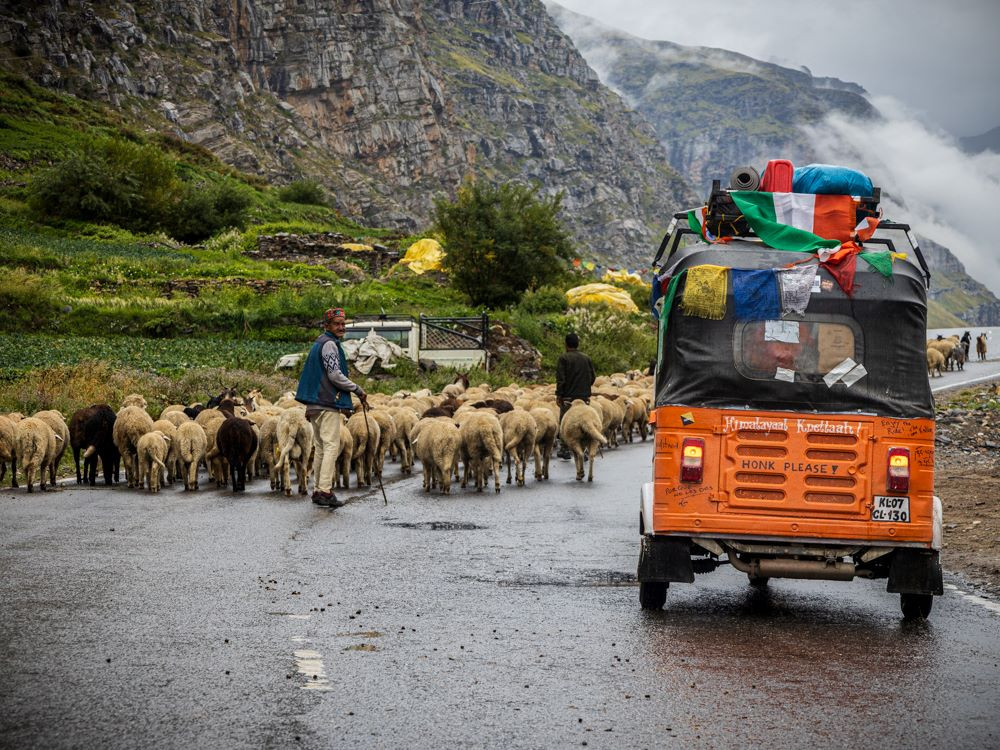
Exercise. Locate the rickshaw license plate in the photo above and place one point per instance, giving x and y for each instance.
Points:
(891, 509)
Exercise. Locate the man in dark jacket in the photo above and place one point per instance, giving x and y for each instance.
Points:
(574, 376)
(326, 390)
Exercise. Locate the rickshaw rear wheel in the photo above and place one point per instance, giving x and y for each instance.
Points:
(916, 606)
(652, 594)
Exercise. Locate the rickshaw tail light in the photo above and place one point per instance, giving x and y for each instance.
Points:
(692, 459)
(899, 470)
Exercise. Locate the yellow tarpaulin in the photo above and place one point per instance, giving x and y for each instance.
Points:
(590, 294)
(424, 255)
(624, 277)
(356, 247)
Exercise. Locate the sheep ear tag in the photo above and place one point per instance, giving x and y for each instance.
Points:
(687, 418)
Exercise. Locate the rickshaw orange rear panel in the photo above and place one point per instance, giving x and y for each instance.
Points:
(792, 443)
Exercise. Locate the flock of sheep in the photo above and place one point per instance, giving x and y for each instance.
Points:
(945, 354)
(238, 438)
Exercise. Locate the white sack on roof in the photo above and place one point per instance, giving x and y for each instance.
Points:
(364, 353)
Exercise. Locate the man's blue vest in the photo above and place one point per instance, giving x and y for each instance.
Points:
(315, 387)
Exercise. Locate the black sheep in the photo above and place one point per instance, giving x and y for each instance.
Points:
(194, 411)
(236, 442)
(90, 430)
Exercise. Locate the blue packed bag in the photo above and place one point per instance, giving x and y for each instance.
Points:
(826, 179)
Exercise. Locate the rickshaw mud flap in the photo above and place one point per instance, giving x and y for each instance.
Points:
(915, 572)
(823, 570)
(665, 560)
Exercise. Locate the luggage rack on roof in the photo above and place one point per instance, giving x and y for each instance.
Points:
(724, 219)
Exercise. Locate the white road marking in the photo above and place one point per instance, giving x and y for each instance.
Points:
(973, 381)
(993, 607)
(310, 664)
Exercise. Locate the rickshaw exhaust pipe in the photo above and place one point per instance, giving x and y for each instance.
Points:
(813, 569)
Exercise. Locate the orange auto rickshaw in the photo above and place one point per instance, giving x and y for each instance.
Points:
(793, 445)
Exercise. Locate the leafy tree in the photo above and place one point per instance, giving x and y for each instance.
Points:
(308, 192)
(501, 241)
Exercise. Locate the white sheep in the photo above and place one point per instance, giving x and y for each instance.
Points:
(174, 468)
(295, 444)
(8, 449)
(36, 442)
(152, 455)
(387, 436)
(134, 399)
(267, 448)
(190, 447)
(404, 418)
(436, 443)
(55, 420)
(481, 446)
(366, 434)
(581, 433)
(546, 429)
(131, 424)
(519, 431)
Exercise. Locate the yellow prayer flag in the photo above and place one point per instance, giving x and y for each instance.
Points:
(705, 292)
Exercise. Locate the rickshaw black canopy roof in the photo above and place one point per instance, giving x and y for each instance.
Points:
(696, 365)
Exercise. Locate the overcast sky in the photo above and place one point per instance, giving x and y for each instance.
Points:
(941, 59)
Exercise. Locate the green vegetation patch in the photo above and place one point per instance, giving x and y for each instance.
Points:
(24, 352)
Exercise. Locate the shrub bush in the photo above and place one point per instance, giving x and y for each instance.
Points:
(206, 208)
(547, 299)
(110, 180)
(306, 192)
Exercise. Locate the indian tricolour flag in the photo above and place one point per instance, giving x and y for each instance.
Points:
(800, 221)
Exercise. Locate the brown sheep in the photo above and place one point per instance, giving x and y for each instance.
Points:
(935, 361)
(237, 442)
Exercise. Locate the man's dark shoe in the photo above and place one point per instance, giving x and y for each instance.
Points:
(327, 500)
(315, 496)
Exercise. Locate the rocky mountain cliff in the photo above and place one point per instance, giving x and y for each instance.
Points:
(955, 291)
(713, 110)
(388, 102)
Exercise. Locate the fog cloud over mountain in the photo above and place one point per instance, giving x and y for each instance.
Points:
(945, 194)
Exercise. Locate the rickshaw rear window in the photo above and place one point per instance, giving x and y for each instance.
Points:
(795, 350)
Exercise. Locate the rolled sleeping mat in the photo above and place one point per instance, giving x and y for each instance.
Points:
(744, 178)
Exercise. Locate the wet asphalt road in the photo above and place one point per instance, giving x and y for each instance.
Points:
(208, 620)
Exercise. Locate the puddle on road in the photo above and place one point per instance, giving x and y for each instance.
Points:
(310, 664)
(436, 525)
(574, 578)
